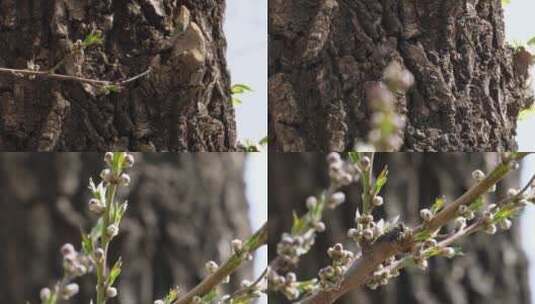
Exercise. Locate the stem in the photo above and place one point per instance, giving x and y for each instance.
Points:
(258, 239)
(49, 75)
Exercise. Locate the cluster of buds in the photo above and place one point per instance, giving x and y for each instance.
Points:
(291, 247)
(341, 173)
(366, 229)
(387, 125)
(383, 273)
(287, 284)
(332, 275)
(74, 263)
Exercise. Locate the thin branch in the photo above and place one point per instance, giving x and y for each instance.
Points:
(49, 75)
(259, 238)
(385, 247)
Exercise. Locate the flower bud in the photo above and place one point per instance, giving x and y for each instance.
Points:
(506, 224)
(99, 254)
(336, 199)
(365, 163)
(124, 179)
(377, 201)
(211, 267)
(426, 214)
(105, 175)
(112, 230)
(111, 292)
(478, 175)
(311, 202)
(333, 157)
(448, 252)
(236, 245)
(70, 290)
(108, 158)
(45, 294)
(319, 226)
(491, 229)
(67, 250)
(159, 302)
(96, 206)
(129, 160)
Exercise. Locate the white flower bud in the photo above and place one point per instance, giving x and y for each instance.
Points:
(111, 292)
(377, 201)
(505, 224)
(426, 214)
(460, 222)
(196, 300)
(311, 202)
(365, 163)
(67, 250)
(129, 160)
(337, 198)
(112, 230)
(96, 206)
(478, 175)
(211, 267)
(236, 245)
(291, 277)
(70, 290)
(124, 179)
(99, 253)
(333, 157)
(512, 192)
(245, 283)
(108, 158)
(319, 226)
(491, 229)
(105, 175)
(367, 234)
(159, 302)
(45, 294)
(448, 252)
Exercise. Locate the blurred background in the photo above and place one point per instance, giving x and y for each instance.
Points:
(246, 30)
(184, 210)
(493, 270)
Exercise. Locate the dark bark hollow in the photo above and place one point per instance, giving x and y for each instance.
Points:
(493, 269)
(183, 211)
(182, 105)
(323, 54)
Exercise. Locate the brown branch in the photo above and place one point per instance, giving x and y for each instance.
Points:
(362, 269)
(259, 238)
(49, 75)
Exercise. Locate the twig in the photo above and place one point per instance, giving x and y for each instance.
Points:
(49, 75)
(259, 238)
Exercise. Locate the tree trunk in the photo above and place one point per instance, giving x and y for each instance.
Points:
(183, 211)
(493, 269)
(182, 105)
(324, 54)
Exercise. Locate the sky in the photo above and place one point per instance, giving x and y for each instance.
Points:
(246, 31)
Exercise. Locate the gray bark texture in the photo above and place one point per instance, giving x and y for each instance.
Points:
(184, 210)
(324, 54)
(184, 104)
(493, 269)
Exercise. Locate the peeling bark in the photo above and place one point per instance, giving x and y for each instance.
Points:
(182, 105)
(325, 53)
(493, 269)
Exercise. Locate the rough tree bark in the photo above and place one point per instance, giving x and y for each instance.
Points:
(325, 53)
(182, 105)
(183, 211)
(492, 270)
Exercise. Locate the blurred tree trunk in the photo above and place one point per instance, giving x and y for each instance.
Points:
(324, 54)
(183, 211)
(182, 105)
(493, 269)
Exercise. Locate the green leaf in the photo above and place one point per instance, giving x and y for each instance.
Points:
(87, 244)
(298, 224)
(236, 101)
(171, 296)
(381, 180)
(264, 141)
(209, 297)
(531, 42)
(526, 113)
(477, 204)
(240, 89)
(438, 205)
(506, 2)
(110, 88)
(115, 272)
(354, 157)
(95, 38)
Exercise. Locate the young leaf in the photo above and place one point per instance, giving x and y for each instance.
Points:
(438, 204)
(115, 272)
(95, 38)
(381, 180)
